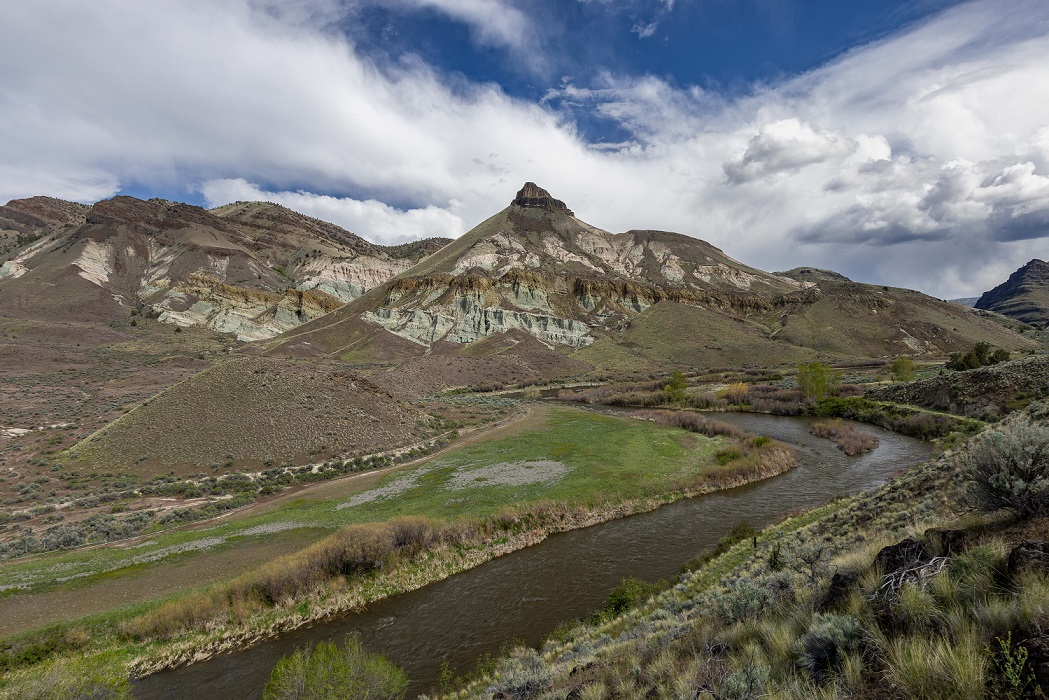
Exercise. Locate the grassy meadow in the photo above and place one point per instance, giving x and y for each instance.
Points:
(363, 537)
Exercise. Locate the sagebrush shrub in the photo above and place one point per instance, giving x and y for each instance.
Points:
(1008, 469)
(522, 675)
(829, 639)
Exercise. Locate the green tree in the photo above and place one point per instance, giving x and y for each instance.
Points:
(674, 391)
(979, 356)
(902, 369)
(329, 673)
(816, 380)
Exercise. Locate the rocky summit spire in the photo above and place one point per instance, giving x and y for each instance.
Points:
(532, 195)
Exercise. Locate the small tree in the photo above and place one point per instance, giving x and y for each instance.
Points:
(1009, 469)
(328, 672)
(811, 559)
(902, 369)
(674, 391)
(816, 380)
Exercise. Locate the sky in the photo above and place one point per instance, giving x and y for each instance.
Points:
(900, 143)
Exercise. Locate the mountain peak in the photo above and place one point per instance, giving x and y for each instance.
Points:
(532, 195)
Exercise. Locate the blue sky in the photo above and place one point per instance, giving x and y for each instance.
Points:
(721, 45)
(899, 143)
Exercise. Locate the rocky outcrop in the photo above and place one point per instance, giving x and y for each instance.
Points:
(996, 389)
(250, 314)
(532, 195)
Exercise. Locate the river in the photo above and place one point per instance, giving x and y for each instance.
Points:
(525, 595)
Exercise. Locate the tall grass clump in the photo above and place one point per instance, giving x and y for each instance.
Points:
(938, 667)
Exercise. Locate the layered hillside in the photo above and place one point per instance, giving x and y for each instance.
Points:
(864, 320)
(25, 221)
(252, 269)
(1024, 296)
(629, 301)
(534, 267)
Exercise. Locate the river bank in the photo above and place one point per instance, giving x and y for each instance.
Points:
(526, 595)
(675, 453)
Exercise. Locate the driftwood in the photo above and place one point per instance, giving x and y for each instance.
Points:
(918, 573)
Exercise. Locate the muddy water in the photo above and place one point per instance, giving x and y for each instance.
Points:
(524, 595)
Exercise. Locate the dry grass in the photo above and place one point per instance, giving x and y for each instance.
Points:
(849, 440)
(695, 423)
(355, 551)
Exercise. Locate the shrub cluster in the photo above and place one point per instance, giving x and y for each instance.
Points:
(358, 550)
(849, 440)
(327, 671)
(979, 356)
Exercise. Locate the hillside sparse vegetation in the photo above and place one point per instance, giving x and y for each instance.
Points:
(882, 595)
(245, 412)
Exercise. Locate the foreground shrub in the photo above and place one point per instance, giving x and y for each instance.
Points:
(630, 593)
(522, 675)
(829, 639)
(1009, 469)
(329, 673)
(64, 679)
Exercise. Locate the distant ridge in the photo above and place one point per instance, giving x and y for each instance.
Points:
(1024, 296)
(634, 301)
(813, 274)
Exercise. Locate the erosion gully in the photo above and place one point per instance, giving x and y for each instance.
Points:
(523, 596)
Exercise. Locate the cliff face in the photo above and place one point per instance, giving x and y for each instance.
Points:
(1024, 296)
(532, 195)
(250, 268)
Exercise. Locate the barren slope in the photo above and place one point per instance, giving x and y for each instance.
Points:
(247, 412)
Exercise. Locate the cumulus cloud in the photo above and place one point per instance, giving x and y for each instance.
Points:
(920, 160)
(785, 146)
(375, 220)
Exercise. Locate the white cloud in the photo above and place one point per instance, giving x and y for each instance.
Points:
(919, 160)
(372, 219)
(493, 22)
(645, 29)
(783, 147)
(74, 183)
